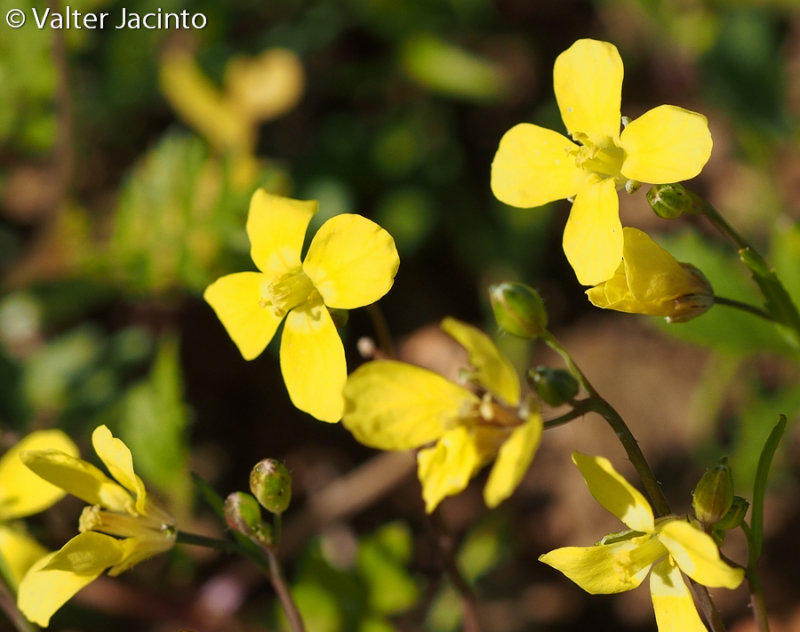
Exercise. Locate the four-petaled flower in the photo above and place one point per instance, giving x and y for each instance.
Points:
(396, 406)
(534, 165)
(621, 561)
(351, 262)
(22, 493)
(650, 281)
(122, 526)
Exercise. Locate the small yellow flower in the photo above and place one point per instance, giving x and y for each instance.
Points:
(667, 546)
(22, 493)
(122, 526)
(534, 165)
(351, 262)
(396, 406)
(650, 281)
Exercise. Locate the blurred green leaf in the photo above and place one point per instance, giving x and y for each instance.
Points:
(382, 561)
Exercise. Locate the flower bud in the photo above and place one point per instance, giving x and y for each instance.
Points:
(518, 309)
(713, 496)
(735, 515)
(271, 484)
(553, 386)
(669, 201)
(243, 515)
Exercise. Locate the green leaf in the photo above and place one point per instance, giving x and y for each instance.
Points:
(382, 561)
(759, 491)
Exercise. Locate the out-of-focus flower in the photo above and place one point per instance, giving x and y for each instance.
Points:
(534, 165)
(122, 526)
(22, 494)
(351, 262)
(650, 281)
(396, 406)
(621, 561)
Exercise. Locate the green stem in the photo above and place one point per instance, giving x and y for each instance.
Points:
(579, 409)
(385, 341)
(744, 307)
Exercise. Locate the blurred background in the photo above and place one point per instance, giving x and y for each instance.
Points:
(127, 160)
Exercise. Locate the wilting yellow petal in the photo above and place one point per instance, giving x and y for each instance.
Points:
(614, 493)
(492, 370)
(118, 460)
(673, 604)
(666, 144)
(697, 555)
(593, 234)
(19, 552)
(313, 362)
(446, 468)
(23, 493)
(607, 568)
(351, 261)
(235, 299)
(533, 166)
(276, 227)
(512, 461)
(653, 274)
(587, 78)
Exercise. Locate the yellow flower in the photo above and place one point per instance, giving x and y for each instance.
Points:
(22, 493)
(650, 281)
(122, 526)
(534, 165)
(396, 406)
(351, 262)
(620, 562)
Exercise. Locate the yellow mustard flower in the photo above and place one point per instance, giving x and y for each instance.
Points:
(396, 406)
(621, 561)
(22, 494)
(650, 281)
(122, 526)
(534, 165)
(351, 262)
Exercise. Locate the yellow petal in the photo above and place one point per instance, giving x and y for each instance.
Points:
(79, 478)
(138, 549)
(19, 552)
(235, 299)
(44, 589)
(614, 493)
(513, 460)
(697, 555)
(351, 261)
(606, 568)
(587, 78)
(23, 493)
(492, 370)
(445, 469)
(672, 602)
(666, 144)
(276, 227)
(653, 274)
(118, 460)
(313, 362)
(395, 406)
(614, 293)
(593, 234)
(533, 166)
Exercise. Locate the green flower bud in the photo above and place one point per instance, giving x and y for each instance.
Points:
(271, 484)
(243, 515)
(553, 386)
(735, 515)
(673, 200)
(713, 495)
(518, 309)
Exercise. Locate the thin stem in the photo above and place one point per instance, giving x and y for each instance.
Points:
(9, 606)
(724, 227)
(580, 408)
(757, 602)
(744, 307)
(382, 331)
(279, 584)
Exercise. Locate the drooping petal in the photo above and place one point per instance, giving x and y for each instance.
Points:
(614, 293)
(18, 551)
(492, 370)
(653, 273)
(137, 549)
(79, 478)
(235, 298)
(607, 568)
(672, 602)
(351, 261)
(587, 78)
(396, 406)
(23, 493)
(614, 493)
(117, 458)
(513, 460)
(697, 555)
(666, 144)
(445, 469)
(533, 166)
(276, 227)
(593, 234)
(313, 362)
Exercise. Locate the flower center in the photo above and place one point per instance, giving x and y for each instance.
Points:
(604, 160)
(286, 292)
(93, 518)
